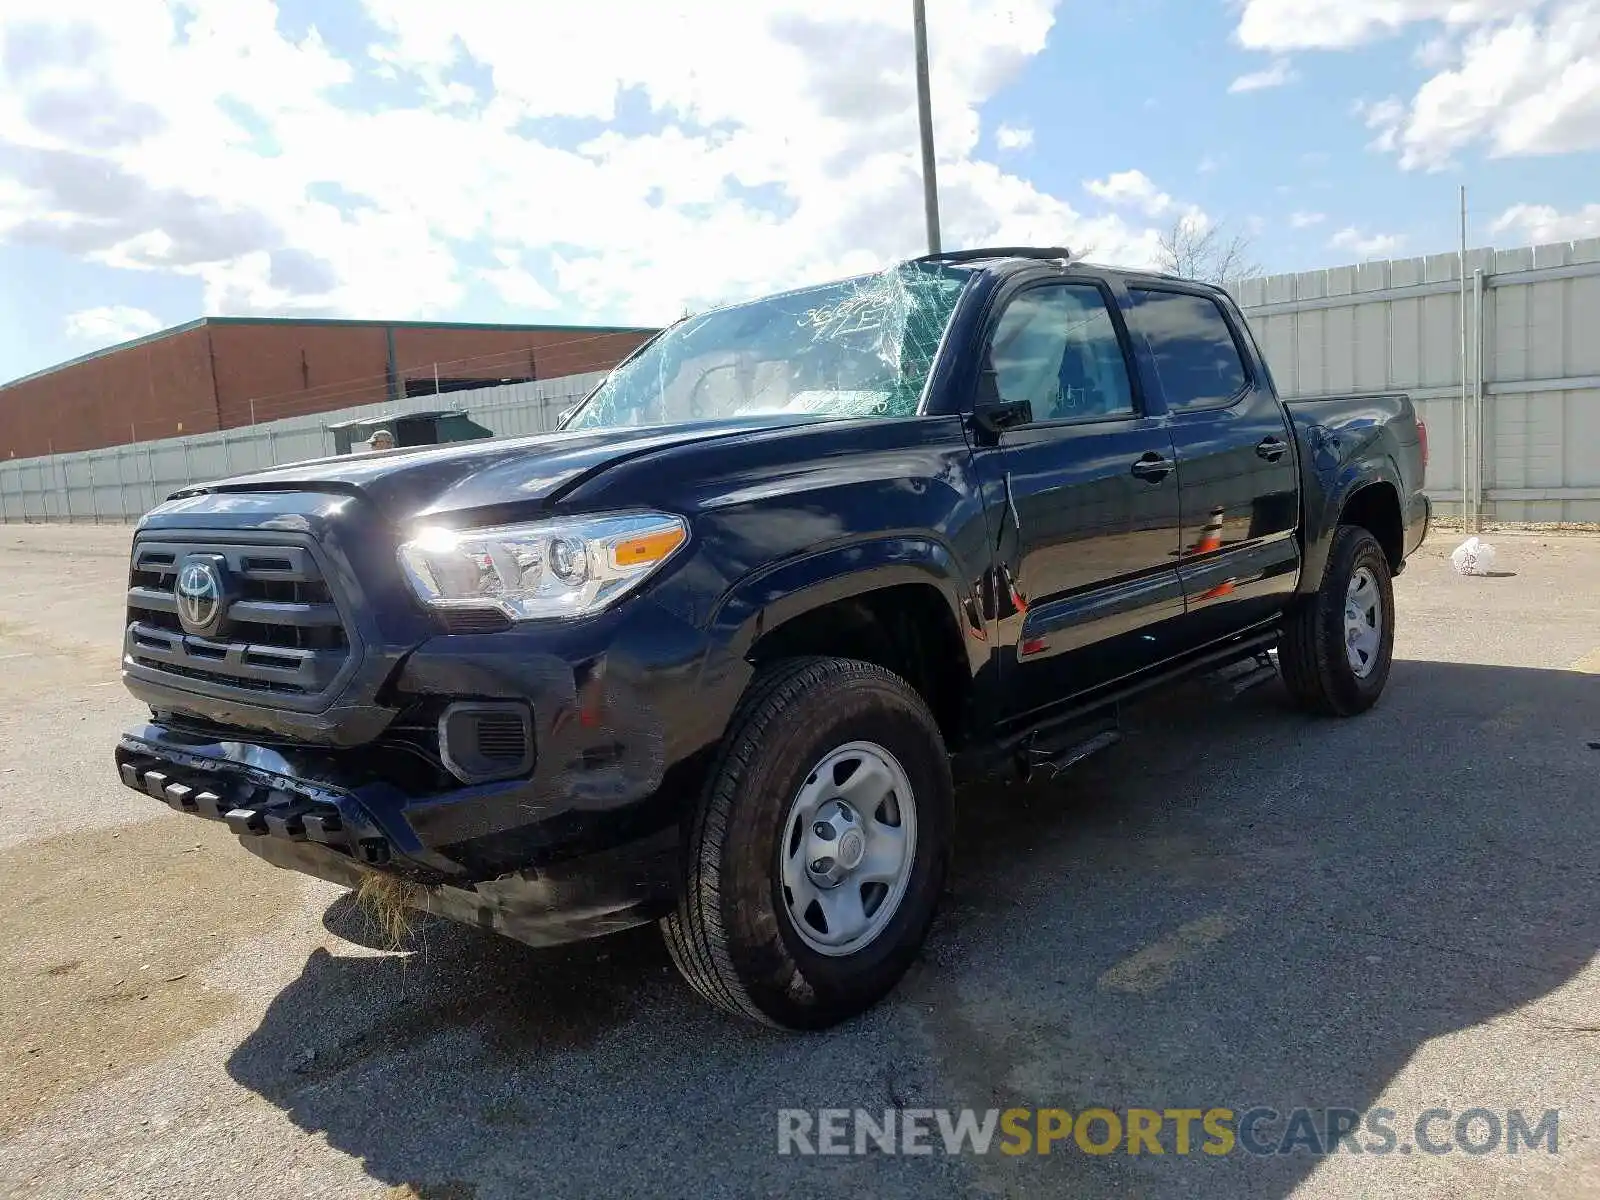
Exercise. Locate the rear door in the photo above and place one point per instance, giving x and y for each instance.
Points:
(1236, 461)
(1085, 498)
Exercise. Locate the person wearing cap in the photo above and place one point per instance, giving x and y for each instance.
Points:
(381, 439)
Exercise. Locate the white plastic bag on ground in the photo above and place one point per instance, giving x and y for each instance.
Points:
(1473, 557)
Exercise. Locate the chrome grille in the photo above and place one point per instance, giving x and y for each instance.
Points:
(282, 633)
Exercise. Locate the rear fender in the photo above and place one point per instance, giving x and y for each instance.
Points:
(1336, 482)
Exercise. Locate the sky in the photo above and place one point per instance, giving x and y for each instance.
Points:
(619, 162)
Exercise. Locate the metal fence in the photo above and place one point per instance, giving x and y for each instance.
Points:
(120, 483)
(1513, 417)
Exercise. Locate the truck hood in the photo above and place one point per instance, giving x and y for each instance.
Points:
(464, 476)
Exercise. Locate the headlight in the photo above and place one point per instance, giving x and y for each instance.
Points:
(556, 568)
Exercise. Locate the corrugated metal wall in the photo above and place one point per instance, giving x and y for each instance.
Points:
(123, 482)
(1532, 371)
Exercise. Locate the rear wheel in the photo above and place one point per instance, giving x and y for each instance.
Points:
(818, 851)
(1338, 644)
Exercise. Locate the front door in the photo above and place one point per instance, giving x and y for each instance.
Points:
(1084, 500)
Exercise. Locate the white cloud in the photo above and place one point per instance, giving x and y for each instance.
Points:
(1131, 189)
(1513, 77)
(194, 137)
(1365, 246)
(1276, 75)
(515, 283)
(1305, 220)
(1434, 54)
(1539, 223)
(111, 323)
(1338, 24)
(1526, 87)
(1385, 118)
(1013, 137)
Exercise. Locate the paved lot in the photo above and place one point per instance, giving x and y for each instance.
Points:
(1236, 906)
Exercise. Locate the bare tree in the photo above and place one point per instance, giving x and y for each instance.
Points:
(1195, 249)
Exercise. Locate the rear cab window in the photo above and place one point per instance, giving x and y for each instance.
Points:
(1193, 348)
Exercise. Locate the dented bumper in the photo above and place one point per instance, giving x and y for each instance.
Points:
(308, 811)
(259, 792)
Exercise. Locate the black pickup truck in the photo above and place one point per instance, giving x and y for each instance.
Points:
(714, 652)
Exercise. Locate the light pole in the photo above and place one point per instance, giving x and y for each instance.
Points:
(930, 180)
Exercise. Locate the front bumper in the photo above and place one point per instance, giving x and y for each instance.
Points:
(292, 812)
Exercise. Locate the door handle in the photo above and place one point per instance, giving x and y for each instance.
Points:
(1152, 467)
(1271, 448)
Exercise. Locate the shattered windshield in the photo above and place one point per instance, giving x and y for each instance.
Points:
(862, 347)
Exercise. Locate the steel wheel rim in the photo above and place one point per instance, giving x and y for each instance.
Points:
(849, 843)
(1363, 622)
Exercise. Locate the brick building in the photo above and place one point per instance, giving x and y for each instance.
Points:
(224, 372)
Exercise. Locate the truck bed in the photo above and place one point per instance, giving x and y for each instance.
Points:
(1332, 435)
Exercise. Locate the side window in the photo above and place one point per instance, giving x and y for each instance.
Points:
(1055, 346)
(1195, 355)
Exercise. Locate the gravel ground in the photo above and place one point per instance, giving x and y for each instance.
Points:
(1235, 906)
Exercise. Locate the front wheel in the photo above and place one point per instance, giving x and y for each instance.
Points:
(818, 851)
(1338, 644)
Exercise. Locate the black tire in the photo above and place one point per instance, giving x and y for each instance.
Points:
(731, 935)
(1312, 654)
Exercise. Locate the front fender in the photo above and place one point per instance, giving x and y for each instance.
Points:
(773, 595)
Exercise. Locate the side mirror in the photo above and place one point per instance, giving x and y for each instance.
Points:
(994, 415)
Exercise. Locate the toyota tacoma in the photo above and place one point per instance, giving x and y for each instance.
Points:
(713, 653)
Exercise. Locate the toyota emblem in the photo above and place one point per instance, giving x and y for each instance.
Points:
(199, 594)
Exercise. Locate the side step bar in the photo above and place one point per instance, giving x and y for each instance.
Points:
(1104, 699)
(1238, 678)
(1040, 757)
(1240, 664)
